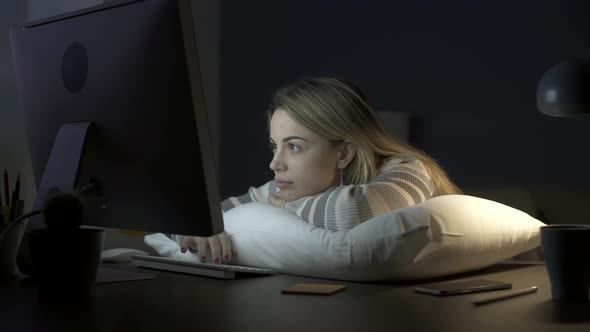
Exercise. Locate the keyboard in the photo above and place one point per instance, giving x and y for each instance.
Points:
(221, 271)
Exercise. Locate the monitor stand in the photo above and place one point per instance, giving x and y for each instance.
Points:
(60, 172)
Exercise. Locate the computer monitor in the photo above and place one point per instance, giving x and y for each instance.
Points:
(112, 94)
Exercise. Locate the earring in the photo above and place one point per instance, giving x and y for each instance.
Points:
(341, 177)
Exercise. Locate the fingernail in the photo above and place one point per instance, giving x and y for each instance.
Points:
(183, 249)
(216, 260)
(226, 257)
(203, 259)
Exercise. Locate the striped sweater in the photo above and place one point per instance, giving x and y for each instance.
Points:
(400, 182)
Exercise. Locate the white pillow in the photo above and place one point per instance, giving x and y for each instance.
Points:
(444, 235)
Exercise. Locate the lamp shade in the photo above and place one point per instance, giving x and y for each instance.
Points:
(564, 89)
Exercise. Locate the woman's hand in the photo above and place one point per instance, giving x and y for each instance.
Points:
(276, 202)
(219, 246)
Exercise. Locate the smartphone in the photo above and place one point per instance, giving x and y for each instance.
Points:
(462, 287)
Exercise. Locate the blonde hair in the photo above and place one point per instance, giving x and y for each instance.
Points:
(338, 111)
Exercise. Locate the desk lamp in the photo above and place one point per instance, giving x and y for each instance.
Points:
(564, 89)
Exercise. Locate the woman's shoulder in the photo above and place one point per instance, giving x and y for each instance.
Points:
(408, 167)
(400, 160)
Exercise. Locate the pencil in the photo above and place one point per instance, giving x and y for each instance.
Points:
(6, 192)
(508, 295)
(15, 198)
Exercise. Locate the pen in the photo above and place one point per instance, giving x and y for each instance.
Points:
(519, 292)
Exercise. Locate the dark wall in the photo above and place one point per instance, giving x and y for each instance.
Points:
(466, 70)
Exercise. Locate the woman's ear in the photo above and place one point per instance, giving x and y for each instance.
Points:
(346, 153)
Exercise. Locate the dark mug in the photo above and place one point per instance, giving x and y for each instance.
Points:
(565, 249)
(66, 263)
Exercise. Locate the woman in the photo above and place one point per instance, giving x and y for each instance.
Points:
(335, 165)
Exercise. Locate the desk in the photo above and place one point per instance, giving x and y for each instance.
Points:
(177, 302)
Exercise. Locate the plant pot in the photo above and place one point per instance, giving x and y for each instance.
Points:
(66, 262)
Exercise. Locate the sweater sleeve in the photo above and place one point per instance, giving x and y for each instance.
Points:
(259, 194)
(400, 183)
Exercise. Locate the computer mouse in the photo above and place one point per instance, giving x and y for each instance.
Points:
(120, 255)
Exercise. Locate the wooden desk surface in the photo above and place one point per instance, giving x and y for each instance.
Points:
(185, 302)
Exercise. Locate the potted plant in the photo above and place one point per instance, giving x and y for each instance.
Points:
(65, 255)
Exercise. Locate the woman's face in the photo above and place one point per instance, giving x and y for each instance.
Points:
(304, 163)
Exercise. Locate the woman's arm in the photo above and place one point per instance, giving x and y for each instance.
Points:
(398, 185)
(259, 194)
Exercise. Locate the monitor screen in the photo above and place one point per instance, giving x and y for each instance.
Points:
(128, 71)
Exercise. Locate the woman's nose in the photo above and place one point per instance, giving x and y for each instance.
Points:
(277, 164)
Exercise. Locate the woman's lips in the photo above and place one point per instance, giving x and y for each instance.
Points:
(282, 184)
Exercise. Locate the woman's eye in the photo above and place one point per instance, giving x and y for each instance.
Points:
(294, 148)
(272, 146)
